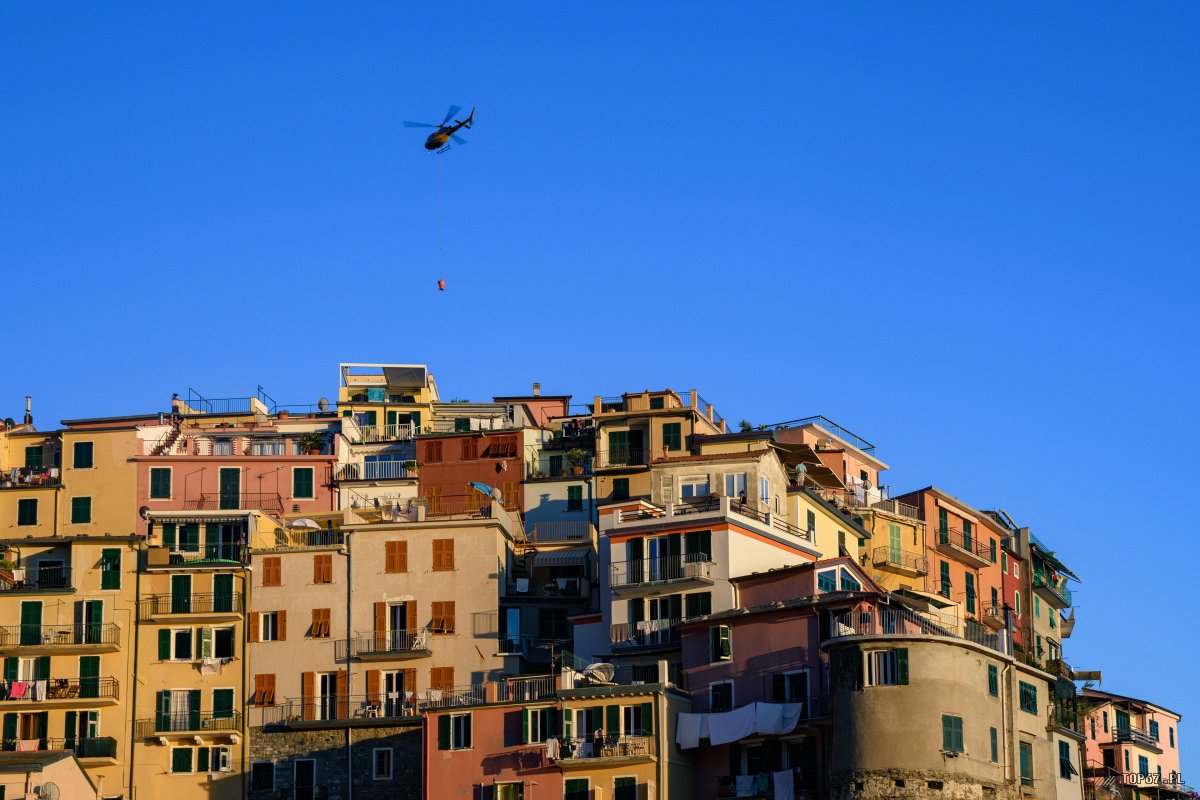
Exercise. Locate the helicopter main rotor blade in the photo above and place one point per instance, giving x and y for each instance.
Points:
(458, 139)
(409, 124)
(453, 110)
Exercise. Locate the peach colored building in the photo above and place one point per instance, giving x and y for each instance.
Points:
(1132, 744)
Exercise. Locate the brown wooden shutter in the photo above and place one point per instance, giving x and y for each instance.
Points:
(410, 680)
(410, 616)
(307, 701)
(441, 678)
(389, 557)
(315, 629)
(381, 627)
(448, 554)
(437, 554)
(343, 690)
(269, 690)
(317, 569)
(372, 686)
(435, 621)
(272, 572)
(254, 626)
(448, 616)
(329, 569)
(281, 626)
(259, 682)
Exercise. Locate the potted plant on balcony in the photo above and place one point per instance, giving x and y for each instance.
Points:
(577, 457)
(410, 467)
(312, 443)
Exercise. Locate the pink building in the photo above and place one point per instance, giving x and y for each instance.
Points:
(1132, 742)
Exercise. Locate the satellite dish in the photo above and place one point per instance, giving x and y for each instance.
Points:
(323, 404)
(48, 791)
(144, 512)
(599, 672)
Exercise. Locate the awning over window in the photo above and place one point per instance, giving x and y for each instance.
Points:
(566, 557)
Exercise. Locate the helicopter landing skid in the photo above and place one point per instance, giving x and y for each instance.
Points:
(442, 149)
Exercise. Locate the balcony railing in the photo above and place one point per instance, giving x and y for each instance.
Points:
(383, 643)
(1064, 718)
(59, 635)
(963, 543)
(525, 689)
(188, 722)
(887, 556)
(208, 554)
(23, 477)
(375, 471)
(380, 705)
(396, 432)
(1060, 591)
(664, 568)
(559, 532)
(62, 689)
(90, 747)
(557, 587)
(646, 633)
(627, 457)
(40, 579)
(592, 748)
(201, 603)
(302, 538)
(904, 622)
(868, 499)
(1134, 735)
(556, 467)
(244, 501)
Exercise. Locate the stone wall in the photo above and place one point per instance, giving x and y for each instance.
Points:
(327, 748)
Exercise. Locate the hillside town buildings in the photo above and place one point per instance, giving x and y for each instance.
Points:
(400, 596)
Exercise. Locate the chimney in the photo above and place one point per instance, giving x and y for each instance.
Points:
(28, 410)
(537, 389)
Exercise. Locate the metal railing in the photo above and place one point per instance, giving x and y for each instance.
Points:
(375, 471)
(1063, 718)
(832, 427)
(705, 407)
(209, 554)
(39, 579)
(396, 432)
(243, 501)
(887, 556)
(558, 532)
(647, 633)
(626, 457)
(608, 746)
(1040, 581)
(1134, 735)
(64, 689)
(89, 747)
(464, 505)
(373, 705)
(556, 467)
(301, 538)
(219, 405)
(637, 514)
(577, 587)
(199, 603)
(19, 477)
(967, 544)
(525, 689)
(867, 500)
(906, 622)
(59, 635)
(188, 722)
(696, 505)
(383, 642)
(664, 568)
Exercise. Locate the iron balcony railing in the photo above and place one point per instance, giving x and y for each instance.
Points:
(525, 689)
(903, 622)
(63, 689)
(646, 633)
(200, 603)
(607, 746)
(396, 432)
(558, 532)
(107, 633)
(1040, 581)
(1134, 735)
(663, 568)
(556, 467)
(376, 705)
(20, 477)
(625, 457)
(243, 501)
(301, 538)
(188, 722)
(89, 747)
(40, 579)
(375, 471)
(968, 544)
(556, 587)
(1064, 718)
(867, 500)
(887, 556)
(209, 554)
(383, 642)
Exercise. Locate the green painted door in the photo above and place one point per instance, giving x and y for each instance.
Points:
(31, 622)
(223, 593)
(230, 487)
(181, 594)
(89, 676)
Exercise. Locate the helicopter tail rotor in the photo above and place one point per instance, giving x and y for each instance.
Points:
(410, 124)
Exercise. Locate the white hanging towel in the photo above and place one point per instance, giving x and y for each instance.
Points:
(687, 731)
(791, 716)
(552, 748)
(784, 785)
(768, 717)
(732, 726)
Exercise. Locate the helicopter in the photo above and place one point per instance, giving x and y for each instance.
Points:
(437, 141)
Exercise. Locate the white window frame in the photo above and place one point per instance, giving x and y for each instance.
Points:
(150, 483)
(732, 693)
(26, 669)
(627, 729)
(312, 482)
(695, 482)
(391, 760)
(881, 663)
(807, 673)
(263, 626)
(191, 632)
(764, 490)
(213, 638)
(455, 731)
(222, 757)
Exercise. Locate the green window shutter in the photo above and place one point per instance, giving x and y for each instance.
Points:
(444, 732)
(648, 719)
(11, 667)
(160, 483)
(902, 665)
(993, 680)
(568, 723)
(206, 645)
(223, 592)
(110, 574)
(27, 511)
(302, 482)
(995, 745)
(970, 593)
(202, 759)
(10, 728)
(612, 720)
(82, 456)
(181, 759)
(70, 727)
(168, 534)
(33, 457)
(222, 703)
(81, 510)
(194, 709)
(947, 733)
(164, 645)
(524, 726)
(41, 668)
(212, 535)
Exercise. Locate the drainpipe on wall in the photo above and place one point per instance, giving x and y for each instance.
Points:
(137, 588)
(345, 551)
(1006, 697)
(247, 584)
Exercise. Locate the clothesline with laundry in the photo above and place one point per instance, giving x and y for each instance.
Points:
(731, 726)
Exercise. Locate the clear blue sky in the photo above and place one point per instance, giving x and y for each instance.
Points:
(968, 233)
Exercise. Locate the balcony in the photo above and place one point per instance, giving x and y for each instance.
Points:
(63, 689)
(554, 589)
(964, 548)
(1057, 595)
(1063, 719)
(369, 708)
(905, 622)
(645, 634)
(588, 751)
(559, 533)
(993, 617)
(1136, 736)
(30, 477)
(188, 722)
(901, 562)
(868, 500)
(376, 471)
(557, 468)
(40, 580)
(56, 638)
(90, 747)
(645, 575)
(269, 502)
(385, 646)
(301, 539)
(208, 555)
(619, 459)
(196, 605)
(373, 434)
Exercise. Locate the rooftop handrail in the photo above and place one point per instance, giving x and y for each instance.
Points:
(35, 579)
(188, 721)
(1059, 590)
(623, 457)
(525, 688)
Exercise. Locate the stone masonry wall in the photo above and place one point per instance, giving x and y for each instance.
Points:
(328, 749)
